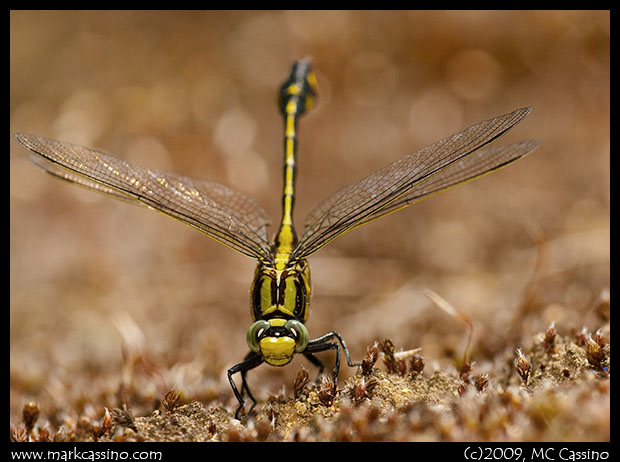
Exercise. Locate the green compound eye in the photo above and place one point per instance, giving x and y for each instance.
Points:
(299, 333)
(254, 333)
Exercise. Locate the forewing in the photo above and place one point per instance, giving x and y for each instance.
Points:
(474, 166)
(221, 213)
(365, 200)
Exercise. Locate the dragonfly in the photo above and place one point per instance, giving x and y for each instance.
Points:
(281, 288)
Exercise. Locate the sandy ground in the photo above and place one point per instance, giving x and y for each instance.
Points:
(114, 305)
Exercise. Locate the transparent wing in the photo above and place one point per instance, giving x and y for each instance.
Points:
(478, 164)
(221, 213)
(435, 168)
(73, 178)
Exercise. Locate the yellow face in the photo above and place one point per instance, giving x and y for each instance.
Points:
(277, 351)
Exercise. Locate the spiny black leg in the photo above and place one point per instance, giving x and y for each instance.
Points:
(316, 347)
(323, 340)
(250, 362)
(322, 343)
(245, 388)
(317, 362)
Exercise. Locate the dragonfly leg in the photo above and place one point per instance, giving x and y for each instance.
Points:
(245, 388)
(250, 362)
(323, 343)
(317, 362)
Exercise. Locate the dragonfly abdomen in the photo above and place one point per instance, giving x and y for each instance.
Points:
(296, 95)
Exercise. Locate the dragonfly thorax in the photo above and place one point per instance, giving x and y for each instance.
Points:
(281, 293)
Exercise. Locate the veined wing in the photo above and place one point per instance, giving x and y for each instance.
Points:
(218, 211)
(435, 168)
(476, 165)
(84, 182)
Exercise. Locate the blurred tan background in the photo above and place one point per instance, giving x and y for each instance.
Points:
(194, 93)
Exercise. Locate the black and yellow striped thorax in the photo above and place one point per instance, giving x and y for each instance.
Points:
(281, 293)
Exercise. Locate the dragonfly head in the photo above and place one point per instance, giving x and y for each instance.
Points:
(300, 86)
(277, 339)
